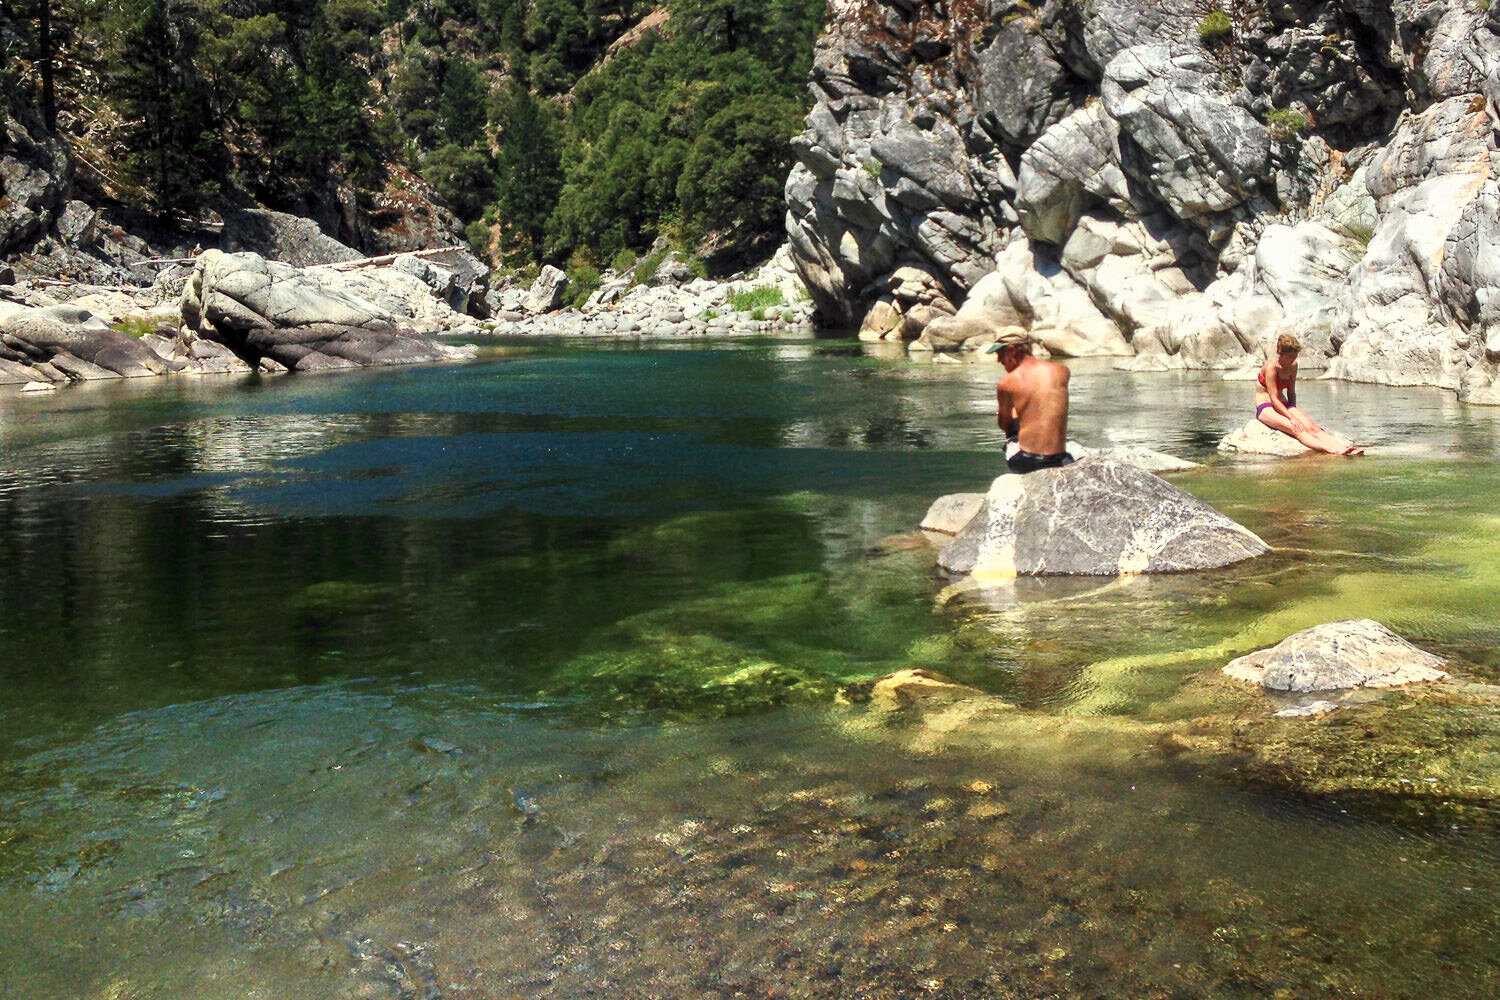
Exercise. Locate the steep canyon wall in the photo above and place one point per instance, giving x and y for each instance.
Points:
(1173, 182)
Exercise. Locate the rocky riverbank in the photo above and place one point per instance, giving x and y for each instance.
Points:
(661, 296)
(234, 313)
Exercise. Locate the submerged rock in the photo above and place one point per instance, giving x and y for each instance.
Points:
(1346, 654)
(1255, 438)
(908, 689)
(1096, 517)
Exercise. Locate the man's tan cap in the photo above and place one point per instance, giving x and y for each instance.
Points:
(1009, 335)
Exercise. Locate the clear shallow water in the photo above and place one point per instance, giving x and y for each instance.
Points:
(515, 678)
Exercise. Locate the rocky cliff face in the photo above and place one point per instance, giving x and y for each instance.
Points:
(1176, 181)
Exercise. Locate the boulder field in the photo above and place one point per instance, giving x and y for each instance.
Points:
(1173, 183)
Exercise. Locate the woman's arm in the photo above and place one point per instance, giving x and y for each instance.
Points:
(1285, 407)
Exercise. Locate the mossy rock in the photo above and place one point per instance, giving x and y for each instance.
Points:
(1430, 753)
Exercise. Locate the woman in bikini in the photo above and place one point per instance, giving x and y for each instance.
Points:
(1276, 402)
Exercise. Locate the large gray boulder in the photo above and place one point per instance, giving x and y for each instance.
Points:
(1199, 152)
(1336, 655)
(1096, 517)
(547, 291)
(263, 309)
(75, 343)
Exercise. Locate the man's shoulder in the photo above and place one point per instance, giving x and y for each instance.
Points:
(1052, 370)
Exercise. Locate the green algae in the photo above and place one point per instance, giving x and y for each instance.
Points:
(746, 646)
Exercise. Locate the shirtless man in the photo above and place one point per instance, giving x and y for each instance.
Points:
(1031, 404)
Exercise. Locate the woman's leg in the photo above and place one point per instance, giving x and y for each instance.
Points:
(1317, 440)
(1337, 444)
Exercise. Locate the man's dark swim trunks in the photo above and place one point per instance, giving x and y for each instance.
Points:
(1025, 461)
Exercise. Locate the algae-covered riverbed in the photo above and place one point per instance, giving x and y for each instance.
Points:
(518, 679)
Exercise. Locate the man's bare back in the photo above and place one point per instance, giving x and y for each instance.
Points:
(1032, 403)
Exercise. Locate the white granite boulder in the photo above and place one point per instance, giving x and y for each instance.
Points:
(1255, 438)
(547, 291)
(1095, 517)
(1337, 655)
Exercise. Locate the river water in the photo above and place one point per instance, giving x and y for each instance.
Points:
(518, 678)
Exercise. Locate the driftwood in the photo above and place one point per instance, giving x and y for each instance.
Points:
(388, 258)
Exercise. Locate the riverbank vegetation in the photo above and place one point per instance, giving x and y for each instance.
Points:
(551, 128)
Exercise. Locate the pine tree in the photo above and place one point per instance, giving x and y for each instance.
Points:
(529, 178)
(173, 148)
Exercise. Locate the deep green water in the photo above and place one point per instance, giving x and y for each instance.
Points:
(517, 678)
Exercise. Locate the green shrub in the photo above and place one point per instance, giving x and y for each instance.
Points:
(1360, 233)
(760, 297)
(646, 269)
(624, 261)
(584, 280)
(135, 326)
(1216, 27)
(478, 234)
(1284, 123)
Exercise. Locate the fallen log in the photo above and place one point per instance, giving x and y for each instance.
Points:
(388, 258)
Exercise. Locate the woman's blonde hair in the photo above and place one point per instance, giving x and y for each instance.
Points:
(1287, 342)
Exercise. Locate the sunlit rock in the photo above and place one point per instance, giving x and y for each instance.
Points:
(265, 310)
(547, 291)
(1096, 517)
(1141, 458)
(909, 689)
(75, 343)
(949, 514)
(1255, 438)
(1347, 654)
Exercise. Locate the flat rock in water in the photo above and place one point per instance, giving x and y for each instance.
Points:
(949, 514)
(1096, 517)
(1336, 655)
(1255, 438)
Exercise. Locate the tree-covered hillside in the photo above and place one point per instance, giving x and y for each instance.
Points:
(555, 129)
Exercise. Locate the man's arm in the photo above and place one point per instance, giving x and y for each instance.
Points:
(1005, 411)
